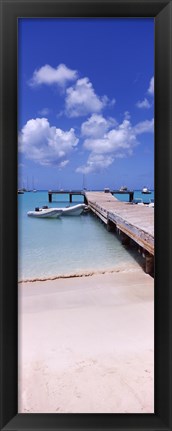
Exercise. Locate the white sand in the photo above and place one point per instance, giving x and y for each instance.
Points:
(87, 345)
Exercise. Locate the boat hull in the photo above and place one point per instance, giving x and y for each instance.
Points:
(75, 210)
(45, 213)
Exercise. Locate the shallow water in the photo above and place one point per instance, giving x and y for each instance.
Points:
(67, 245)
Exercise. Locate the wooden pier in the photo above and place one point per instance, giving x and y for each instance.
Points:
(72, 193)
(133, 222)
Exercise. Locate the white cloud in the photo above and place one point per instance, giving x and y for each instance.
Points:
(151, 86)
(45, 144)
(121, 138)
(81, 99)
(96, 126)
(49, 75)
(143, 104)
(63, 163)
(95, 163)
(146, 126)
(118, 142)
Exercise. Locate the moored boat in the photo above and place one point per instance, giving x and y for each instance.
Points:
(74, 210)
(45, 212)
(146, 191)
(123, 189)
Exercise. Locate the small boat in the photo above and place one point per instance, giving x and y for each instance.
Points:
(45, 212)
(20, 192)
(74, 210)
(146, 191)
(123, 189)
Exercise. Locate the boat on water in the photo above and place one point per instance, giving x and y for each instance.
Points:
(123, 189)
(45, 212)
(74, 210)
(20, 192)
(146, 191)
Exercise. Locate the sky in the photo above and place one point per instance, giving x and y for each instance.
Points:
(85, 103)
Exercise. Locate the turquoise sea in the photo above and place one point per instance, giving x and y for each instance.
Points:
(67, 245)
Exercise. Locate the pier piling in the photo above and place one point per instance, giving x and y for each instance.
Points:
(131, 222)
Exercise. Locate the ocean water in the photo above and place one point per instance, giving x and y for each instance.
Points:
(67, 245)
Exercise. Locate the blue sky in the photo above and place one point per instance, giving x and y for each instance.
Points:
(85, 103)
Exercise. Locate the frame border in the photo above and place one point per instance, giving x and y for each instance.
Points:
(161, 10)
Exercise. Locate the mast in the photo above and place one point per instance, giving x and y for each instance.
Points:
(84, 182)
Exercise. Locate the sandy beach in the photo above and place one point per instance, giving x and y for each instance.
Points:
(86, 344)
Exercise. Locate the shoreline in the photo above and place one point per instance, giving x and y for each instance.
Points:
(86, 345)
(85, 273)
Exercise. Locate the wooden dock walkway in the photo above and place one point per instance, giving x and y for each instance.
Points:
(135, 222)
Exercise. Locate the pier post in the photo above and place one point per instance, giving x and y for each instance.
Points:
(125, 239)
(50, 197)
(111, 227)
(70, 197)
(131, 196)
(149, 263)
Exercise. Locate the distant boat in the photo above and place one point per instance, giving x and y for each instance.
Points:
(20, 192)
(33, 188)
(45, 212)
(123, 189)
(75, 210)
(146, 191)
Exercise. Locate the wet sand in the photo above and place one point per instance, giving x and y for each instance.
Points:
(86, 344)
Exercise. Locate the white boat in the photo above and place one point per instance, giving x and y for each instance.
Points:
(45, 212)
(74, 210)
(145, 191)
(123, 189)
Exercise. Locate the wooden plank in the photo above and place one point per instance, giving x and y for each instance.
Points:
(135, 221)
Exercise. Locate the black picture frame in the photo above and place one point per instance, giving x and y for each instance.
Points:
(10, 11)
